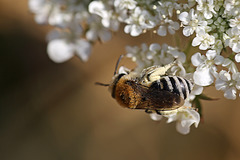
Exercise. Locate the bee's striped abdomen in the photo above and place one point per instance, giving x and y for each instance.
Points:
(174, 84)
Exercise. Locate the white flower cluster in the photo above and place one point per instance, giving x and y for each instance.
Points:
(216, 24)
(139, 16)
(75, 30)
(155, 54)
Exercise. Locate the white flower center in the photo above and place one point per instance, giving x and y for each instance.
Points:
(193, 23)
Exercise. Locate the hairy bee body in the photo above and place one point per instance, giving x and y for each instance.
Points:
(151, 90)
(174, 84)
(167, 93)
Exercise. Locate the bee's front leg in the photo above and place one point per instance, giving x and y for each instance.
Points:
(148, 111)
(158, 112)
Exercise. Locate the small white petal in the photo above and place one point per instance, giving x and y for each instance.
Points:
(83, 49)
(224, 75)
(171, 117)
(220, 84)
(203, 46)
(219, 60)
(183, 17)
(92, 35)
(211, 54)
(226, 62)
(197, 59)
(238, 85)
(237, 57)
(123, 70)
(236, 47)
(197, 90)
(230, 93)
(155, 116)
(154, 47)
(97, 7)
(35, 5)
(162, 31)
(59, 51)
(185, 118)
(135, 30)
(203, 77)
(236, 76)
(187, 31)
(105, 35)
(179, 55)
(196, 41)
(183, 129)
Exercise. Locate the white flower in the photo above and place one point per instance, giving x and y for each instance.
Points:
(97, 31)
(146, 20)
(184, 117)
(165, 8)
(62, 47)
(59, 50)
(174, 51)
(206, 69)
(232, 7)
(125, 4)
(138, 21)
(191, 22)
(59, 17)
(230, 65)
(134, 30)
(155, 55)
(204, 40)
(109, 19)
(97, 7)
(206, 7)
(41, 8)
(234, 39)
(235, 22)
(228, 83)
(139, 55)
(169, 25)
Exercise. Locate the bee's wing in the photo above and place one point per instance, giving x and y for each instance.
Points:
(156, 99)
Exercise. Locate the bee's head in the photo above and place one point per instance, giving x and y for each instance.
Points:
(119, 88)
(122, 90)
(117, 80)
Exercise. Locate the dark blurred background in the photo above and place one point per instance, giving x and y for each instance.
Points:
(52, 111)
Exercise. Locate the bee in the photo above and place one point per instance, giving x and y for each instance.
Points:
(152, 90)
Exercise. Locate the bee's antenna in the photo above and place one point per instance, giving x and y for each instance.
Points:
(102, 84)
(115, 71)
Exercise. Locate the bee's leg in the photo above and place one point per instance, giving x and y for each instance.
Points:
(158, 72)
(148, 111)
(158, 112)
